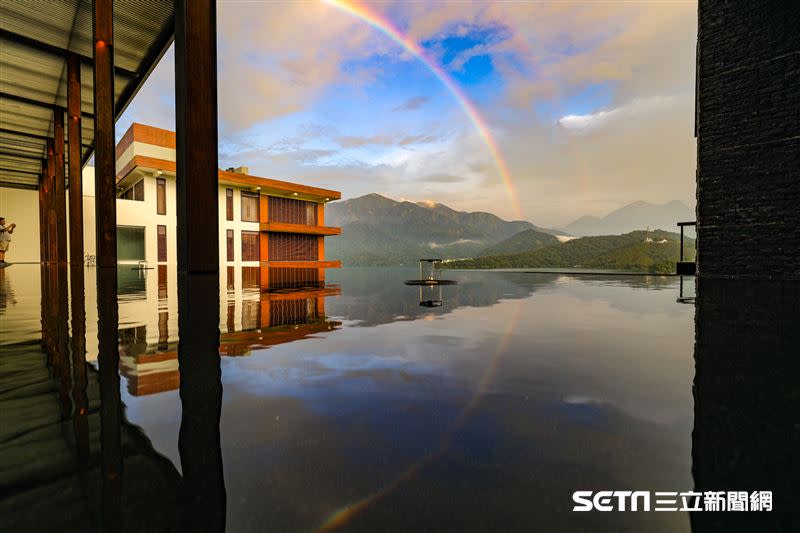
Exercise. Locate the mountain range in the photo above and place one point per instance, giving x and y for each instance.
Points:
(635, 216)
(380, 231)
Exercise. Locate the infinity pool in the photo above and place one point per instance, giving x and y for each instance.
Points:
(355, 408)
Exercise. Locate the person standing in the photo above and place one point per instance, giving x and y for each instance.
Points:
(5, 238)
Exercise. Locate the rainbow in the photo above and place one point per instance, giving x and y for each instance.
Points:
(386, 27)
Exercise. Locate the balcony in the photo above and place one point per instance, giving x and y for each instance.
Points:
(284, 227)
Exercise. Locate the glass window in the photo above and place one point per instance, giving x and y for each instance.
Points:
(229, 240)
(161, 196)
(228, 204)
(130, 243)
(136, 192)
(162, 243)
(250, 248)
(249, 206)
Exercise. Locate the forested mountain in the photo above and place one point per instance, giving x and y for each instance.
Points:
(380, 231)
(643, 251)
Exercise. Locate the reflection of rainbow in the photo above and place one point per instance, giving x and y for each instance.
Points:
(385, 26)
(348, 512)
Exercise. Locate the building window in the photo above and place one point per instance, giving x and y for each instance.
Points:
(293, 247)
(130, 243)
(250, 246)
(292, 211)
(136, 192)
(161, 196)
(162, 244)
(229, 240)
(228, 204)
(249, 206)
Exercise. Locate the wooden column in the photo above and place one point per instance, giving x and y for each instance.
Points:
(60, 186)
(43, 237)
(198, 264)
(50, 199)
(106, 231)
(74, 151)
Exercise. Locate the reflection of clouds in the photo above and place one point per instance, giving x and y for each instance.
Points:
(583, 396)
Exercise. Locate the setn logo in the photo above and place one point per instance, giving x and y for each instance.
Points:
(611, 500)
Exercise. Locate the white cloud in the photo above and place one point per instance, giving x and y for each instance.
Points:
(635, 110)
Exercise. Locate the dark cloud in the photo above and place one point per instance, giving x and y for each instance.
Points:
(412, 103)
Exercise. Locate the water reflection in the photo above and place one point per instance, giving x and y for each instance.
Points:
(350, 407)
(747, 399)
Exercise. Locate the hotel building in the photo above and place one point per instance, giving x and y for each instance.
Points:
(275, 225)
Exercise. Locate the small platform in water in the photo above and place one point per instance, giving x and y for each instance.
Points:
(434, 273)
(430, 282)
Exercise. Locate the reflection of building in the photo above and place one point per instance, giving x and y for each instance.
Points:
(747, 400)
(251, 320)
(273, 224)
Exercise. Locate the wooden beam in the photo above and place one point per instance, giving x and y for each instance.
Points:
(60, 186)
(198, 264)
(74, 150)
(43, 217)
(106, 242)
(50, 180)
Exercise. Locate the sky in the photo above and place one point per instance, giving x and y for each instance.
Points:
(590, 104)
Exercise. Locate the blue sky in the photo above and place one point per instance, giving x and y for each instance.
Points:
(591, 106)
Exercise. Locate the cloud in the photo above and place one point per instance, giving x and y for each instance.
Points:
(409, 140)
(630, 111)
(412, 103)
(354, 141)
(309, 155)
(442, 178)
(278, 61)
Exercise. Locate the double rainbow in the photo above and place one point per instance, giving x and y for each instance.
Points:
(381, 23)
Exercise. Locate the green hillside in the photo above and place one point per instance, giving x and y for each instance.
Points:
(524, 241)
(378, 231)
(619, 252)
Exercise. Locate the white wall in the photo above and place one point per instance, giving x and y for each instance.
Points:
(143, 214)
(22, 207)
(236, 225)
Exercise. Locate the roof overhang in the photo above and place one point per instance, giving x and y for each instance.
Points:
(35, 40)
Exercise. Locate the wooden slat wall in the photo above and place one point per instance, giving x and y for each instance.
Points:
(292, 247)
(292, 211)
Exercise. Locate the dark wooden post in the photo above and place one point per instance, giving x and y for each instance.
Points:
(50, 198)
(74, 149)
(60, 186)
(106, 223)
(198, 264)
(681, 244)
(43, 213)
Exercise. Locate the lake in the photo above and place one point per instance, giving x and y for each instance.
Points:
(369, 405)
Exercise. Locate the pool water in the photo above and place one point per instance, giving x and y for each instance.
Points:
(355, 408)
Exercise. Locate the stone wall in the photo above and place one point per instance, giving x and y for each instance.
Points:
(748, 132)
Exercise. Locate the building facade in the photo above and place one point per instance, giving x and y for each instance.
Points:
(275, 225)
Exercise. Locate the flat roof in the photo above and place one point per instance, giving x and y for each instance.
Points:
(35, 39)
